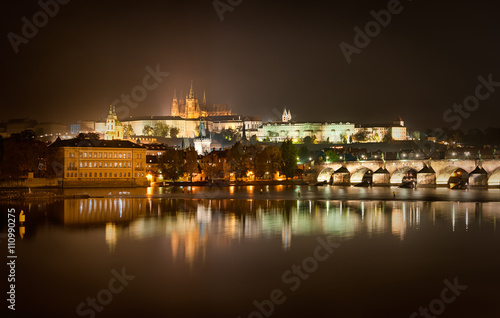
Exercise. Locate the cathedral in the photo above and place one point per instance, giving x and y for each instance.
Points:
(190, 108)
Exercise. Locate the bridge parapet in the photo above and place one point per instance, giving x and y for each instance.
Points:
(438, 172)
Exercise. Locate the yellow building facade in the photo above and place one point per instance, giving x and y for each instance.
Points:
(96, 163)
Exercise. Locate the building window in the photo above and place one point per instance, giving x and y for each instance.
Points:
(85, 164)
(129, 155)
(90, 164)
(116, 164)
(105, 174)
(80, 174)
(120, 165)
(100, 155)
(120, 156)
(115, 174)
(85, 175)
(120, 174)
(105, 155)
(128, 164)
(95, 174)
(84, 155)
(100, 164)
(100, 174)
(129, 174)
(105, 165)
(115, 155)
(67, 174)
(142, 174)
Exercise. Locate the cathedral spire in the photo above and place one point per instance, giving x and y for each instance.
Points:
(191, 91)
(175, 94)
(204, 98)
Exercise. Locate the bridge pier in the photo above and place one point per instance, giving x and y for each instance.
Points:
(381, 177)
(342, 176)
(426, 177)
(478, 178)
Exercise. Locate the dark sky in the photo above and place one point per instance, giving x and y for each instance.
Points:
(265, 55)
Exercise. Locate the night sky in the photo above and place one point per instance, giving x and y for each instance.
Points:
(263, 56)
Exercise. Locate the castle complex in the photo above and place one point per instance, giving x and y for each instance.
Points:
(191, 108)
(186, 116)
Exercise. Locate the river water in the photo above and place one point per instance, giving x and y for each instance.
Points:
(237, 252)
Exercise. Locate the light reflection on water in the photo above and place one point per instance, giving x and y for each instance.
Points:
(192, 225)
(191, 256)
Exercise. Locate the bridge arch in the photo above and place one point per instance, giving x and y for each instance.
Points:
(325, 175)
(494, 179)
(362, 175)
(399, 175)
(444, 176)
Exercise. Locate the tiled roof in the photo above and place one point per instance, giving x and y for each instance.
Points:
(77, 142)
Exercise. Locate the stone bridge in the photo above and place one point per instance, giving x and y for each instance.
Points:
(480, 173)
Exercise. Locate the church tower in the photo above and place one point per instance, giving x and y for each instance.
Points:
(114, 128)
(192, 106)
(287, 116)
(202, 143)
(174, 111)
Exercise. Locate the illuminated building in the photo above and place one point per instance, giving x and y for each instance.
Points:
(202, 143)
(191, 108)
(114, 128)
(297, 131)
(381, 132)
(91, 162)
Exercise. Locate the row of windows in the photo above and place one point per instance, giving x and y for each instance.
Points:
(100, 155)
(105, 175)
(106, 164)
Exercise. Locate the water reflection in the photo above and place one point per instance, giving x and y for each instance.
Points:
(192, 226)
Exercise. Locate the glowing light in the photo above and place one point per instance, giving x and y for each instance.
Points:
(149, 177)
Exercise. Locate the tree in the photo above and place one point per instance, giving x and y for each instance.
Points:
(191, 163)
(267, 161)
(128, 131)
(262, 163)
(23, 153)
(289, 156)
(171, 163)
(308, 140)
(174, 132)
(253, 140)
(332, 156)
(303, 153)
(211, 165)
(236, 160)
(361, 135)
(147, 130)
(227, 135)
(161, 129)
(388, 136)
